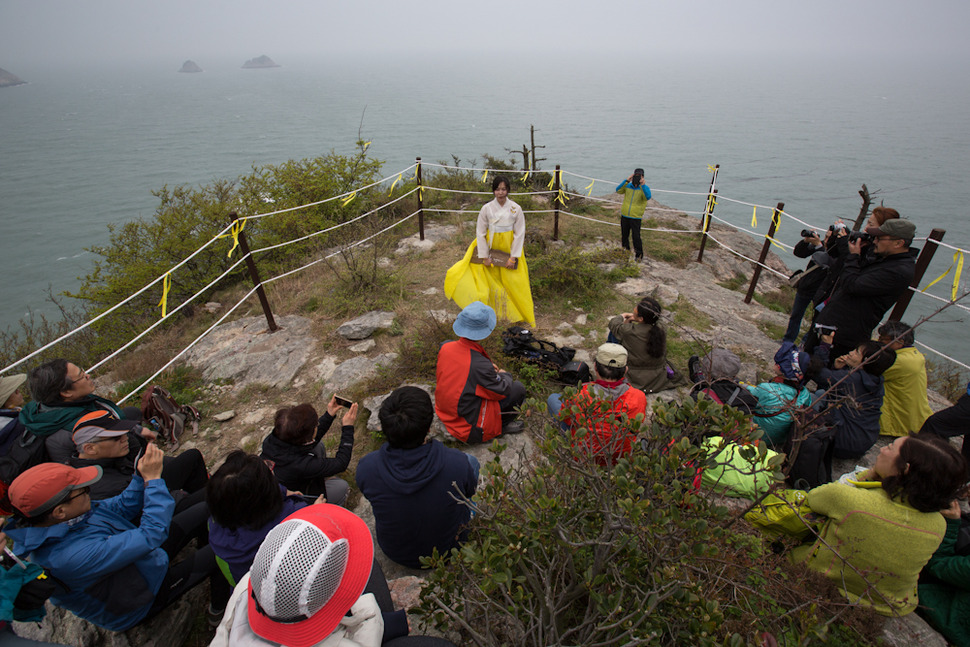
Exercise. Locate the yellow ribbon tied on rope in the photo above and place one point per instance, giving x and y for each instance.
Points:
(958, 262)
(775, 243)
(776, 218)
(710, 203)
(552, 181)
(710, 168)
(347, 200)
(166, 286)
(589, 189)
(394, 183)
(485, 176)
(366, 146)
(525, 178)
(237, 228)
(754, 218)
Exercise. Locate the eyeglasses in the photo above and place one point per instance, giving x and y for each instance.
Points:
(84, 376)
(78, 493)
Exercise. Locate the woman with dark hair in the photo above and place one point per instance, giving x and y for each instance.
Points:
(493, 269)
(880, 530)
(635, 197)
(300, 461)
(245, 503)
(645, 340)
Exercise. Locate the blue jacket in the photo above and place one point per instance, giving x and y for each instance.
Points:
(777, 396)
(858, 426)
(411, 493)
(111, 567)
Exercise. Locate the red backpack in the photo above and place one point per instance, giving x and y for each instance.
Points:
(166, 416)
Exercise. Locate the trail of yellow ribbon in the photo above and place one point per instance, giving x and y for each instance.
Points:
(485, 176)
(775, 243)
(394, 183)
(237, 228)
(525, 178)
(589, 189)
(552, 181)
(710, 168)
(776, 218)
(754, 218)
(958, 262)
(711, 201)
(350, 197)
(366, 146)
(166, 286)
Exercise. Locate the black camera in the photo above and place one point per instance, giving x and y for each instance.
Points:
(839, 226)
(808, 233)
(860, 236)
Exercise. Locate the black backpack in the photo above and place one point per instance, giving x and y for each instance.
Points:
(168, 417)
(809, 449)
(727, 392)
(521, 343)
(26, 451)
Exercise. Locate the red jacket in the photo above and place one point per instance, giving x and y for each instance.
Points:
(601, 405)
(468, 391)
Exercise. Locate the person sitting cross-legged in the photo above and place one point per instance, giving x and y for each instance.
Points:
(410, 482)
(474, 398)
(601, 403)
(116, 574)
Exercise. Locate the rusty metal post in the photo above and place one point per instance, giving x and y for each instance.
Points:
(708, 212)
(775, 217)
(244, 247)
(555, 201)
(417, 160)
(922, 263)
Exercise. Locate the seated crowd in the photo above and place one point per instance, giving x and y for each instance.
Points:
(109, 514)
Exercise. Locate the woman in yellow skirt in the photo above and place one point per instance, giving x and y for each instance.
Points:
(501, 227)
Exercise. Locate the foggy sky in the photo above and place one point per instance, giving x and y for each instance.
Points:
(44, 32)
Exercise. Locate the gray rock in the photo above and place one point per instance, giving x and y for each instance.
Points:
(430, 291)
(245, 441)
(354, 370)
(212, 307)
(432, 234)
(384, 262)
(373, 404)
(442, 316)
(224, 416)
(634, 287)
(363, 346)
(364, 326)
(245, 351)
(910, 630)
(581, 319)
(666, 294)
(170, 628)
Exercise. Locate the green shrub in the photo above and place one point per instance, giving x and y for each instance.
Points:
(567, 552)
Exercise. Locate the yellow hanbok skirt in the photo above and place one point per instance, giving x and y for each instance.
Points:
(507, 291)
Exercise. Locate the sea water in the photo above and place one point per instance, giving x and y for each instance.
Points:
(84, 148)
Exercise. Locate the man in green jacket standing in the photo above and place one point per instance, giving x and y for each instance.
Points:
(635, 196)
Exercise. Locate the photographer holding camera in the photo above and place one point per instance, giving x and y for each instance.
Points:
(869, 283)
(808, 281)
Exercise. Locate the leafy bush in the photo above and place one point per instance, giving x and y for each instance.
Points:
(569, 271)
(565, 552)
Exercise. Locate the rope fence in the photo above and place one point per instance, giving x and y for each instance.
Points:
(556, 188)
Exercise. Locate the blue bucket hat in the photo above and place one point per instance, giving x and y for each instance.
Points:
(476, 321)
(792, 363)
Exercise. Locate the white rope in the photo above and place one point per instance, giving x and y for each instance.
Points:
(772, 270)
(184, 350)
(615, 184)
(933, 350)
(482, 170)
(933, 296)
(330, 199)
(752, 233)
(444, 190)
(159, 322)
(942, 244)
(475, 211)
(340, 251)
(338, 226)
(116, 306)
(772, 209)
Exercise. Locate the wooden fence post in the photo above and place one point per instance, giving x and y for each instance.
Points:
(922, 262)
(417, 160)
(708, 213)
(555, 201)
(775, 217)
(254, 275)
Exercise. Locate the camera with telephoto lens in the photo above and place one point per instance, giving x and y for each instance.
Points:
(838, 226)
(808, 233)
(860, 236)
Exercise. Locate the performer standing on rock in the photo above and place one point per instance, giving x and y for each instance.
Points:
(635, 196)
(504, 285)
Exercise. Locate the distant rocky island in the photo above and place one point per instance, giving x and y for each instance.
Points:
(260, 62)
(190, 67)
(8, 78)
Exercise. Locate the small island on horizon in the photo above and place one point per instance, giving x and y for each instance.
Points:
(9, 79)
(190, 67)
(260, 62)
